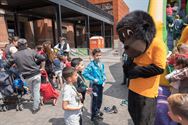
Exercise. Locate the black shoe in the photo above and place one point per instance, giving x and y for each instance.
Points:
(95, 121)
(96, 118)
(99, 117)
(108, 110)
(100, 113)
(35, 111)
(114, 109)
(111, 110)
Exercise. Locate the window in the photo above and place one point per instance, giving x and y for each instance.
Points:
(107, 7)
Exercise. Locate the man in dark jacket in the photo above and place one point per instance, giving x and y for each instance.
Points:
(25, 60)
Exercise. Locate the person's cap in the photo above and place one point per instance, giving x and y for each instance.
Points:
(22, 41)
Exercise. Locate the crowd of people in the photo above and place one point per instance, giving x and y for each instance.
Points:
(157, 79)
(63, 73)
(177, 20)
(174, 80)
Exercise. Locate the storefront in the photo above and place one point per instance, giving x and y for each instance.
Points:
(43, 20)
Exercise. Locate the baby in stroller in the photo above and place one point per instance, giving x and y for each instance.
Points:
(12, 88)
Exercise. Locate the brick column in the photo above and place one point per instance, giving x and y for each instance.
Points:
(43, 31)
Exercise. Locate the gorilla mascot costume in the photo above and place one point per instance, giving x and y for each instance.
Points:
(148, 54)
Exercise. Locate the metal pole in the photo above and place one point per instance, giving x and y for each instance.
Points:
(75, 40)
(54, 32)
(16, 24)
(58, 20)
(87, 30)
(87, 25)
(103, 27)
(112, 38)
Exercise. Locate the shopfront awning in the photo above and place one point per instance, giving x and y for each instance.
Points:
(47, 9)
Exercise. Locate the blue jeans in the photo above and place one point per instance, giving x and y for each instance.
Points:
(96, 100)
(34, 86)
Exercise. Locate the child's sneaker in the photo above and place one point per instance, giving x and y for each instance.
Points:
(36, 110)
(108, 110)
(114, 109)
(124, 102)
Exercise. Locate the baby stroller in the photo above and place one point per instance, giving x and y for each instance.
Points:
(11, 91)
(47, 91)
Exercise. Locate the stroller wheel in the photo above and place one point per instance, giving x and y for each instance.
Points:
(21, 107)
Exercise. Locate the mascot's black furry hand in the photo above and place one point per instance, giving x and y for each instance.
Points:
(128, 67)
(135, 71)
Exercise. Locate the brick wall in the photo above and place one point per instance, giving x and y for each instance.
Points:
(43, 30)
(29, 33)
(122, 9)
(119, 10)
(70, 33)
(99, 1)
(3, 32)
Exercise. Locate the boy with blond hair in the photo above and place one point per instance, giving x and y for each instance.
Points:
(178, 108)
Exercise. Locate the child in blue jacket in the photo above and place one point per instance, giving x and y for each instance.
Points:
(95, 73)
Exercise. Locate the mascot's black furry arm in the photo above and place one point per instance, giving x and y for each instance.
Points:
(137, 31)
(135, 71)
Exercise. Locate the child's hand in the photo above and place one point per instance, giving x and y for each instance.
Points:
(26, 88)
(88, 90)
(103, 84)
(95, 81)
(80, 95)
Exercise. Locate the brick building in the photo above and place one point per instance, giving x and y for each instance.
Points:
(117, 8)
(78, 20)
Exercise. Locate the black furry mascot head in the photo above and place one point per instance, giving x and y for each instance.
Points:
(136, 30)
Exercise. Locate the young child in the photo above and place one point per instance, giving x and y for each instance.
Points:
(65, 59)
(77, 63)
(94, 72)
(39, 49)
(181, 49)
(178, 108)
(57, 67)
(179, 77)
(71, 98)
